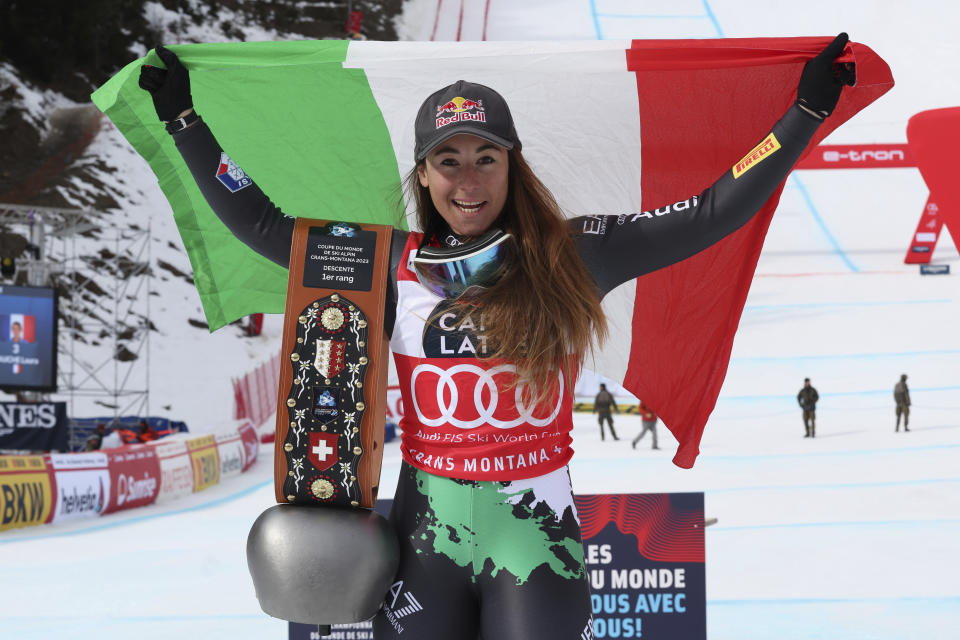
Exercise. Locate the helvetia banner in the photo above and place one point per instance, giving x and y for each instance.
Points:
(326, 129)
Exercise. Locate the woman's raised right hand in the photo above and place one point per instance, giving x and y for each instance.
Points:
(170, 87)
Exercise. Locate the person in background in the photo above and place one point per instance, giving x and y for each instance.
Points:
(807, 399)
(111, 440)
(146, 433)
(254, 325)
(601, 406)
(649, 420)
(901, 395)
(95, 441)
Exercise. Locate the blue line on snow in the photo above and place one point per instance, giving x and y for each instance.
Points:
(823, 225)
(113, 619)
(856, 356)
(769, 457)
(127, 521)
(596, 19)
(831, 486)
(781, 601)
(708, 14)
(821, 305)
(713, 19)
(863, 523)
(900, 451)
(645, 16)
(832, 394)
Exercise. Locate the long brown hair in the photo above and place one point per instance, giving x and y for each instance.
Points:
(544, 313)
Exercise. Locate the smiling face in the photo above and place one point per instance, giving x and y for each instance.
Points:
(467, 179)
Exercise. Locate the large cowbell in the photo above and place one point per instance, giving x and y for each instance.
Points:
(321, 565)
(323, 556)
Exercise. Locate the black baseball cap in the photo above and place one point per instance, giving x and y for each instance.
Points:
(464, 107)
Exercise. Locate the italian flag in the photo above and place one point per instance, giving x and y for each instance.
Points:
(612, 127)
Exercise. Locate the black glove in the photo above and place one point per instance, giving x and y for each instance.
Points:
(169, 87)
(822, 79)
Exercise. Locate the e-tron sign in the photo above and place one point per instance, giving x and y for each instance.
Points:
(859, 156)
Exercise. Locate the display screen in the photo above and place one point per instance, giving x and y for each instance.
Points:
(28, 338)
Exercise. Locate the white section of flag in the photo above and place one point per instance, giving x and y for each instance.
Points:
(576, 112)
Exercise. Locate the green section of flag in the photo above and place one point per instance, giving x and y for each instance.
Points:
(308, 131)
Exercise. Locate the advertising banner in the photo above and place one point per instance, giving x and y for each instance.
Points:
(858, 156)
(925, 237)
(251, 444)
(935, 269)
(644, 556)
(33, 426)
(26, 494)
(394, 404)
(82, 484)
(134, 477)
(204, 461)
(357, 631)
(230, 454)
(176, 470)
(645, 562)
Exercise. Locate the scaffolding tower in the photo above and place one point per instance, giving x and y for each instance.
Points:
(102, 276)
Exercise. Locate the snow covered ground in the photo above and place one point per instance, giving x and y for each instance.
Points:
(852, 535)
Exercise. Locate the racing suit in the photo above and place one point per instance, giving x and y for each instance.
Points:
(489, 534)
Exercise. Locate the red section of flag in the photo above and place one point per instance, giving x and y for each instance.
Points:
(934, 137)
(703, 104)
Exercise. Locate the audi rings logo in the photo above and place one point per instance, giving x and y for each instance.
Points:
(448, 398)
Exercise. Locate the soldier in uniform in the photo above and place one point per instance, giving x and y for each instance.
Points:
(901, 395)
(601, 407)
(807, 399)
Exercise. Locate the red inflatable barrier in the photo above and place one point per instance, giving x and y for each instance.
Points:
(934, 137)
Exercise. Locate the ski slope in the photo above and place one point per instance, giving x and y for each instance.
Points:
(852, 535)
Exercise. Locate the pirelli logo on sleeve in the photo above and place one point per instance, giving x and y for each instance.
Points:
(756, 155)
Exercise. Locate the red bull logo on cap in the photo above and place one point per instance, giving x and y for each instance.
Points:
(461, 110)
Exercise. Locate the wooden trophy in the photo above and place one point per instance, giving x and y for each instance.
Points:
(332, 396)
(322, 556)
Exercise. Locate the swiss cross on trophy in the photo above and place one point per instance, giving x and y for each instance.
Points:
(323, 450)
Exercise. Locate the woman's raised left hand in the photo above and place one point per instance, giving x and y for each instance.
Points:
(823, 79)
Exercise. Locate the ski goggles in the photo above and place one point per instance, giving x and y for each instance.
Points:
(449, 272)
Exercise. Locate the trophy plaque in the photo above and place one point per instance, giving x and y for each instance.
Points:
(332, 395)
